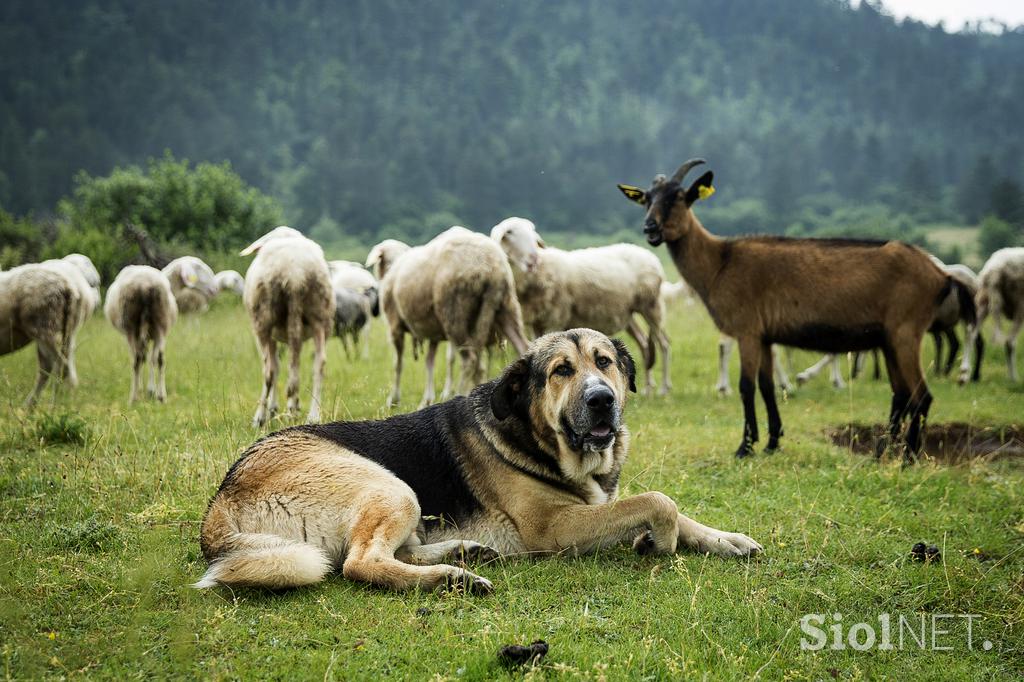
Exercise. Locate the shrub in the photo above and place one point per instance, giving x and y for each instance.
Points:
(61, 428)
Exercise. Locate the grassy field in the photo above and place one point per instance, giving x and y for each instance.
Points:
(98, 540)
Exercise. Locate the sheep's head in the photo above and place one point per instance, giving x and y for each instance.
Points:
(668, 203)
(230, 280)
(384, 255)
(519, 240)
(195, 274)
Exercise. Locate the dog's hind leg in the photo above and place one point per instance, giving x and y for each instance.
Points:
(383, 525)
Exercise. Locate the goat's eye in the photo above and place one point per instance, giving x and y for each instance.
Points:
(603, 362)
(564, 370)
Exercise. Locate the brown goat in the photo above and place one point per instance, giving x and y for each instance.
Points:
(831, 295)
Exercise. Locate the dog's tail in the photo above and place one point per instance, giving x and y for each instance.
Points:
(263, 560)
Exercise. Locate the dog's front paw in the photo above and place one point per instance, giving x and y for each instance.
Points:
(724, 544)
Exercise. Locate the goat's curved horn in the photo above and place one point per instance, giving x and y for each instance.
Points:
(685, 168)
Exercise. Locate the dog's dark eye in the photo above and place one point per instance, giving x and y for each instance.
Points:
(564, 370)
(603, 362)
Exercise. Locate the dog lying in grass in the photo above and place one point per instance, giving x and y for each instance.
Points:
(526, 463)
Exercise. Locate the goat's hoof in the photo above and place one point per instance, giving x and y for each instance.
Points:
(745, 450)
(772, 447)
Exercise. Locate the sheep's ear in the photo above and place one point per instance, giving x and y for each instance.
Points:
(374, 257)
(634, 194)
(700, 189)
(510, 390)
(255, 246)
(625, 362)
(540, 242)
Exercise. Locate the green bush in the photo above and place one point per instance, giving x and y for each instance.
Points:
(21, 240)
(996, 234)
(197, 209)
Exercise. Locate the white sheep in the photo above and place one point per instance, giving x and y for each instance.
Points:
(192, 282)
(81, 275)
(91, 274)
(39, 303)
(141, 305)
(356, 300)
(725, 344)
(1001, 293)
(229, 280)
(601, 288)
(459, 288)
(289, 299)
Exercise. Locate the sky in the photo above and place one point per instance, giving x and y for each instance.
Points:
(955, 12)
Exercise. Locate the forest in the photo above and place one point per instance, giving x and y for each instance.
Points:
(375, 118)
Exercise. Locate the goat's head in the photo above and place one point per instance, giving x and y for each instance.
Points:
(668, 202)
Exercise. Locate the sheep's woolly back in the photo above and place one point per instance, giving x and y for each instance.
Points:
(229, 280)
(140, 303)
(88, 298)
(289, 277)
(1002, 282)
(457, 287)
(36, 302)
(192, 283)
(383, 256)
(348, 275)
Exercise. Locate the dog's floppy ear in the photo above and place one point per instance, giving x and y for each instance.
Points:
(626, 363)
(510, 389)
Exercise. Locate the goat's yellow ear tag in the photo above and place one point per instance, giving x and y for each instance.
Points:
(704, 191)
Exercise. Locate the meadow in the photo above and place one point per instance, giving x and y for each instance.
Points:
(100, 505)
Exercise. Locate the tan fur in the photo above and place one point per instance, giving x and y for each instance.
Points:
(295, 497)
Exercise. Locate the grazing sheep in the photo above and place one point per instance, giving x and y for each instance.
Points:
(39, 303)
(674, 292)
(950, 313)
(91, 274)
(289, 299)
(229, 280)
(886, 297)
(599, 288)
(351, 313)
(141, 305)
(192, 282)
(457, 288)
(1001, 293)
(357, 301)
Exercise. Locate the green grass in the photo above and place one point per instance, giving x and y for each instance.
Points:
(98, 537)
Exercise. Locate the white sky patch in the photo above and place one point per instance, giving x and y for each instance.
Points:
(955, 12)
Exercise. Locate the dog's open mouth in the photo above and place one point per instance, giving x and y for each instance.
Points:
(600, 435)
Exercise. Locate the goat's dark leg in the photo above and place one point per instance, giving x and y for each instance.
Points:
(908, 355)
(766, 382)
(878, 365)
(900, 398)
(954, 348)
(750, 365)
(979, 350)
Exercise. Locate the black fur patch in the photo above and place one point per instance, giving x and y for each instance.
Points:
(421, 448)
(830, 339)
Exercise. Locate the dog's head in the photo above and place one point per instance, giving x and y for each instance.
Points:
(570, 389)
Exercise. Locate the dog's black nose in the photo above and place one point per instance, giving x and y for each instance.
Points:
(599, 397)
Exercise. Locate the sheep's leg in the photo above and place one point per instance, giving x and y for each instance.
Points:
(320, 337)
(468, 369)
(937, 366)
(267, 405)
(68, 371)
(814, 370)
(973, 341)
(1011, 348)
(837, 375)
(724, 350)
(398, 343)
(151, 361)
(138, 349)
(292, 387)
(780, 371)
(449, 381)
(513, 333)
(646, 352)
(750, 365)
(765, 380)
(428, 390)
(158, 352)
(858, 364)
(666, 350)
(49, 358)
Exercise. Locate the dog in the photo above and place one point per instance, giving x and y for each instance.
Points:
(527, 463)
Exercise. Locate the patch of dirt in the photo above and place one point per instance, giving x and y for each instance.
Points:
(951, 443)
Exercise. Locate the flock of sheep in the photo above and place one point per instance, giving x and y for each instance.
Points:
(461, 287)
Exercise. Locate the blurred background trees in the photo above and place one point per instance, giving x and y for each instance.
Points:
(394, 118)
